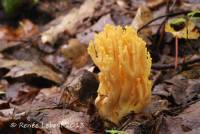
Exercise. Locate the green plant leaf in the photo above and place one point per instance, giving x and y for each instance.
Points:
(194, 14)
(10, 6)
(178, 23)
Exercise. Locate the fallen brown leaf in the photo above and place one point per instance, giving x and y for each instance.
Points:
(21, 68)
(47, 98)
(76, 52)
(7, 44)
(20, 93)
(87, 35)
(26, 29)
(55, 120)
(70, 22)
(154, 3)
(180, 89)
(7, 112)
(186, 122)
(143, 15)
(59, 63)
(76, 122)
(84, 86)
(4, 104)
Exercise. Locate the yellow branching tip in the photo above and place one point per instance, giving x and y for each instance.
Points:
(124, 64)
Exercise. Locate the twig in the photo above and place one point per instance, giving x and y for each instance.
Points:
(171, 66)
(176, 52)
(160, 31)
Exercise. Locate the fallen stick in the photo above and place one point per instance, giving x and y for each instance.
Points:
(171, 66)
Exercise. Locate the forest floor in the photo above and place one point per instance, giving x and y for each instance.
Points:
(48, 82)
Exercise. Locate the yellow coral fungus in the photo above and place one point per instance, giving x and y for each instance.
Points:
(124, 64)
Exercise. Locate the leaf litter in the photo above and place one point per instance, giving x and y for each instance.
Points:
(48, 79)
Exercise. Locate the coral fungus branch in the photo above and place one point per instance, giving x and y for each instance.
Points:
(124, 64)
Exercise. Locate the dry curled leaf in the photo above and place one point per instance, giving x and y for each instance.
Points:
(19, 93)
(84, 86)
(48, 114)
(186, 122)
(180, 89)
(59, 63)
(143, 15)
(21, 68)
(75, 51)
(26, 29)
(87, 35)
(155, 3)
(6, 44)
(70, 22)
(79, 122)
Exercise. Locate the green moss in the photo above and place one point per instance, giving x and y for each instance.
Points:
(194, 14)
